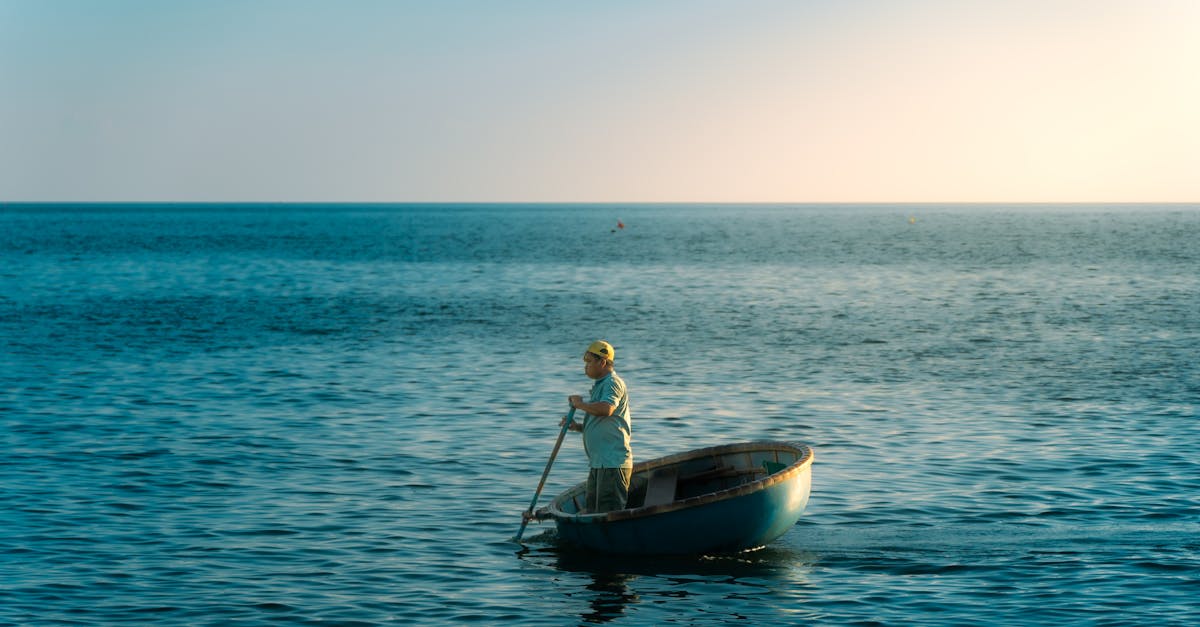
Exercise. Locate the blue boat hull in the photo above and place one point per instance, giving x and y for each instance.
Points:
(750, 508)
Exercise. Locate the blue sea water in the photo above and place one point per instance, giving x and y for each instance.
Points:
(334, 414)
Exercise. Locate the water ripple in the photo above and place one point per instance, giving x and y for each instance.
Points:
(335, 417)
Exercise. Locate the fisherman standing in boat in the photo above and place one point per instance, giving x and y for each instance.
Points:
(606, 431)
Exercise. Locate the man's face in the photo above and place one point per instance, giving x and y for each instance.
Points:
(593, 366)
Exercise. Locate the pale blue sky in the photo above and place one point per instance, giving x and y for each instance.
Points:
(856, 100)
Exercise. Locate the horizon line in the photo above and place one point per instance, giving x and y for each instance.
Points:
(597, 202)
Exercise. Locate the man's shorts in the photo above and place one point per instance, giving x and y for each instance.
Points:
(607, 489)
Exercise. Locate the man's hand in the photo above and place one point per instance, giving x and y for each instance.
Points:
(541, 514)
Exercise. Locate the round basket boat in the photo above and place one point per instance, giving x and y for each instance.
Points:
(720, 499)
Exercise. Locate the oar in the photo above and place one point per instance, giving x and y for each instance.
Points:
(545, 473)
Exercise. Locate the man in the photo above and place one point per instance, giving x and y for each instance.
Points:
(606, 431)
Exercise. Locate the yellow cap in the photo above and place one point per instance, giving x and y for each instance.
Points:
(603, 349)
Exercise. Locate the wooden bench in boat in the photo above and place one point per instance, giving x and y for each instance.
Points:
(660, 488)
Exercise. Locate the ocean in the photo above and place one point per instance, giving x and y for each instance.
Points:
(333, 414)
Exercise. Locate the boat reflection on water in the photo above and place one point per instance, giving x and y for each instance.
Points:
(616, 582)
(605, 587)
(610, 595)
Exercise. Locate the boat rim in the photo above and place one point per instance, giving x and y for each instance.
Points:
(787, 474)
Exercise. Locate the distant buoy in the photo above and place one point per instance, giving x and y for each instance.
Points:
(912, 219)
(620, 225)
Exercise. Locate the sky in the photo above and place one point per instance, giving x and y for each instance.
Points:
(606, 101)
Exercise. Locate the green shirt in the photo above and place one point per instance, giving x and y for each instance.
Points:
(606, 439)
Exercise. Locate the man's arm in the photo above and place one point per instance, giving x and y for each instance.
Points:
(598, 408)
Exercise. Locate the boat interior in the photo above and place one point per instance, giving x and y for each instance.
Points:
(663, 484)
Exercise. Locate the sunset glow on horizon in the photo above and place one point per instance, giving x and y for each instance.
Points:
(857, 101)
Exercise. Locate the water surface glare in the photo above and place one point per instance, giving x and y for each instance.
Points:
(334, 414)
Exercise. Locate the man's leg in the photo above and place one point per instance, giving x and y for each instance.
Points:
(612, 488)
(592, 492)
